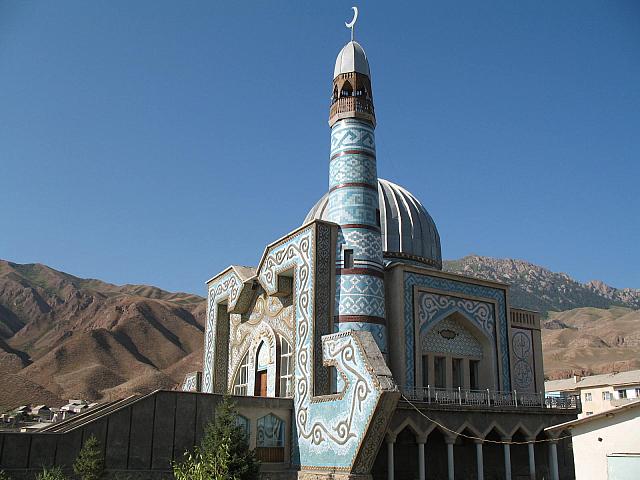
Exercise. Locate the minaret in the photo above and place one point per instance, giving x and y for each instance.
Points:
(353, 198)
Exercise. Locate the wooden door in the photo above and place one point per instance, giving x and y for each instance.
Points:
(261, 384)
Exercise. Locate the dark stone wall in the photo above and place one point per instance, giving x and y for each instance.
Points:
(140, 440)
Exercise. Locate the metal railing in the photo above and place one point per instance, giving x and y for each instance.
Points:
(488, 398)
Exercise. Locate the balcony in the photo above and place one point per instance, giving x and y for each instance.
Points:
(348, 106)
(488, 398)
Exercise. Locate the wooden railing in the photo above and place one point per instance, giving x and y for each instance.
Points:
(270, 454)
(351, 104)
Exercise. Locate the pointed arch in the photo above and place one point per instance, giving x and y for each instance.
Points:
(497, 428)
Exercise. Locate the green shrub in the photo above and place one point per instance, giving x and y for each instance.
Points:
(4, 476)
(223, 453)
(53, 473)
(89, 464)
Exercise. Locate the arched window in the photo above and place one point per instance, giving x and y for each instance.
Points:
(347, 90)
(286, 368)
(243, 422)
(270, 439)
(242, 377)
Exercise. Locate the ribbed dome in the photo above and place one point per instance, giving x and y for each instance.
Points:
(408, 231)
(351, 59)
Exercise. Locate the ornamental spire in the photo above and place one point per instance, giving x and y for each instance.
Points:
(352, 23)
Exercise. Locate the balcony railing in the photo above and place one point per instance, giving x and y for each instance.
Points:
(351, 104)
(488, 398)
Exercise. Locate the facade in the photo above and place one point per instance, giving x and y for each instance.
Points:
(395, 368)
(606, 445)
(598, 392)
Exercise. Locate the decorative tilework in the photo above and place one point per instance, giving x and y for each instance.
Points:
(379, 332)
(412, 279)
(366, 244)
(350, 134)
(353, 168)
(353, 205)
(523, 371)
(329, 430)
(359, 295)
(461, 343)
(227, 287)
(434, 307)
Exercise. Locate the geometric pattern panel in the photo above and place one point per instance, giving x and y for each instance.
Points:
(412, 279)
(350, 134)
(522, 350)
(353, 168)
(353, 205)
(366, 244)
(448, 336)
(433, 307)
(359, 295)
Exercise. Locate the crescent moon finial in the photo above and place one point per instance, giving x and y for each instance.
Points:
(352, 23)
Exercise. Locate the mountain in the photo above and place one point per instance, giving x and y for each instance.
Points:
(66, 337)
(538, 288)
(589, 341)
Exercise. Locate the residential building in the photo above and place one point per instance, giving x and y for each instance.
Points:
(598, 392)
(606, 445)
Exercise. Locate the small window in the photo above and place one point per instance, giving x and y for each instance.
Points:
(378, 216)
(474, 374)
(440, 374)
(637, 392)
(456, 372)
(286, 369)
(606, 395)
(622, 394)
(425, 370)
(587, 397)
(270, 439)
(348, 258)
(243, 423)
(589, 413)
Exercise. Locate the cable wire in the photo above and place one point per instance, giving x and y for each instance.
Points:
(484, 440)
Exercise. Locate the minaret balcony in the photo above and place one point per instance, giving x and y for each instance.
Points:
(352, 107)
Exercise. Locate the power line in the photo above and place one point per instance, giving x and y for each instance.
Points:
(484, 440)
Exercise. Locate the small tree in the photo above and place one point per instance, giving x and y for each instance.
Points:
(223, 453)
(4, 476)
(89, 464)
(53, 473)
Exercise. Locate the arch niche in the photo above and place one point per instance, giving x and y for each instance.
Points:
(454, 352)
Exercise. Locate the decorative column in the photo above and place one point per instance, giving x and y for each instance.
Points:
(479, 460)
(390, 467)
(532, 459)
(507, 458)
(450, 460)
(421, 459)
(553, 459)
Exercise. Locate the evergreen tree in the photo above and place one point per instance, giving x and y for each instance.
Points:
(223, 453)
(53, 473)
(89, 464)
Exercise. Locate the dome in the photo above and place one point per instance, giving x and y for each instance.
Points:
(408, 231)
(351, 59)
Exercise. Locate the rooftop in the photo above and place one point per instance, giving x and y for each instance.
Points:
(575, 383)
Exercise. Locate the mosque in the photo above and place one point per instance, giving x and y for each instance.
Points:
(363, 357)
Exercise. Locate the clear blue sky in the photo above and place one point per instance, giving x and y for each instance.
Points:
(158, 142)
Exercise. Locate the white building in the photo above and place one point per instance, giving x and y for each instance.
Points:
(606, 445)
(598, 392)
